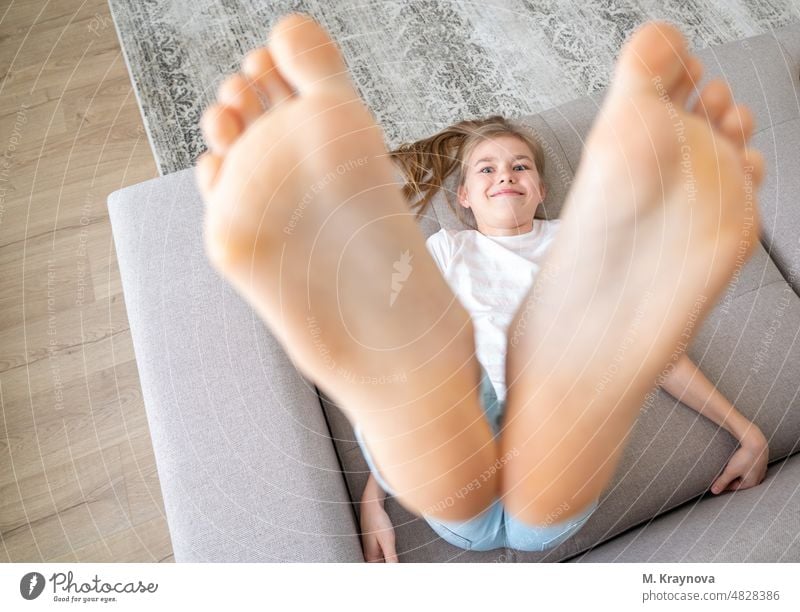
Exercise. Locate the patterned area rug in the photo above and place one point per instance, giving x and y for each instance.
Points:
(419, 65)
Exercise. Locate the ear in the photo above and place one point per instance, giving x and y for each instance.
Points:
(461, 192)
(542, 189)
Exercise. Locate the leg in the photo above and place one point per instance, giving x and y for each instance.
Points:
(305, 220)
(648, 241)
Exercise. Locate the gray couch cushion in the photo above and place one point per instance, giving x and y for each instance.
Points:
(758, 525)
(246, 466)
(780, 214)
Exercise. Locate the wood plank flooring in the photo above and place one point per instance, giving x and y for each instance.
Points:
(77, 475)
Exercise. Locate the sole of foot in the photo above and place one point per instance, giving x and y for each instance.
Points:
(661, 212)
(305, 219)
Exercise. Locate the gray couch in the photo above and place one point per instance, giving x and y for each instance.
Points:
(256, 465)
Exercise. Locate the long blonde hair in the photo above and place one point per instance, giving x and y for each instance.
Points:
(428, 162)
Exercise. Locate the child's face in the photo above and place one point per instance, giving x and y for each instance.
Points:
(502, 186)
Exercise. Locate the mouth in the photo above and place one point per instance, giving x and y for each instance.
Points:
(506, 192)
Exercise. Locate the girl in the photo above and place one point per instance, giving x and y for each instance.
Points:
(490, 268)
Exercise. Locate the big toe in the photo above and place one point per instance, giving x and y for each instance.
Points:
(305, 53)
(656, 53)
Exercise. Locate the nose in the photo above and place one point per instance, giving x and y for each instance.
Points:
(506, 176)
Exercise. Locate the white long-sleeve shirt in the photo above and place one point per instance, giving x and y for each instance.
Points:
(491, 275)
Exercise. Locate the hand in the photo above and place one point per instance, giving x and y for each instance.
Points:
(377, 534)
(747, 467)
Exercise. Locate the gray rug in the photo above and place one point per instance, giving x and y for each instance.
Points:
(419, 65)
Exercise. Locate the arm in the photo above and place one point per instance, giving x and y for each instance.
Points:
(685, 382)
(373, 494)
(377, 532)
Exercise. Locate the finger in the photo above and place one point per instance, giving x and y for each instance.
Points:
(372, 552)
(721, 483)
(389, 551)
(734, 485)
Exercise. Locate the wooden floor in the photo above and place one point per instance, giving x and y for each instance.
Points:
(77, 475)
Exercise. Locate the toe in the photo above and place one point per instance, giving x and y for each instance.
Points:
(737, 124)
(221, 126)
(656, 51)
(206, 170)
(235, 92)
(693, 72)
(305, 54)
(260, 68)
(715, 99)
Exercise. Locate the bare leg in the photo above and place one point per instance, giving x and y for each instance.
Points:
(648, 241)
(305, 220)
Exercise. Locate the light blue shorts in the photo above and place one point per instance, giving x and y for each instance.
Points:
(494, 527)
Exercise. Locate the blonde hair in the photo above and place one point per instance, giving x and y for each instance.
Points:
(428, 162)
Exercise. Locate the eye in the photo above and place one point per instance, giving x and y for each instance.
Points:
(523, 166)
(485, 168)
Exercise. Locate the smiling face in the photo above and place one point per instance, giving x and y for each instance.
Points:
(502, 186)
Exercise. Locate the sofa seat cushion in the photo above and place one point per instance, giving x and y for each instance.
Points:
(757, 525)
(242, 449)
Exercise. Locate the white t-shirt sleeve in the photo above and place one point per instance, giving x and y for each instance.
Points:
(441, 249)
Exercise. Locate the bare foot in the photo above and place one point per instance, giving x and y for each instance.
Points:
(305, 220)
(662, 207)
